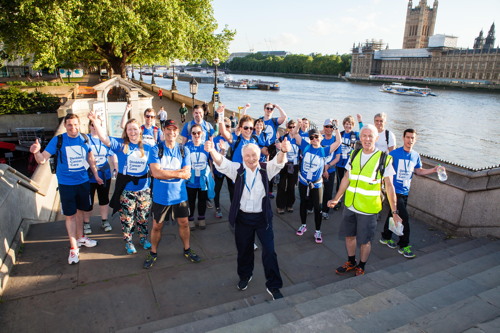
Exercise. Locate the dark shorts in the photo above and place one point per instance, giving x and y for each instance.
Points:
(359, 225)
(102, 193)
(74, 197)
(164, 213)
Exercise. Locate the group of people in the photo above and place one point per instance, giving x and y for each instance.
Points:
(169, 177)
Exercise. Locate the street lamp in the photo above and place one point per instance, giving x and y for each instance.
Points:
(68, 72)
(140, 72)
(153, 76)
(133, 78)
(193, 88)
(215, 95)
(174, 87)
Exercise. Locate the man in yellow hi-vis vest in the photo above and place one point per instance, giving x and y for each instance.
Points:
(362, 185)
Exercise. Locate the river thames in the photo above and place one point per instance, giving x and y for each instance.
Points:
(460, 126)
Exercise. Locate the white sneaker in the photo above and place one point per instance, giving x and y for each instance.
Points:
(325, 216)
(87, 242)
(255, 247)
(310, 211)
(106, 226)
(87, 229)
(74, 256)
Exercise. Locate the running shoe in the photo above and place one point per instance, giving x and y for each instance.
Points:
(389, 242)
(280, 211)
(130, 248)
(346, 267)
(325, 216)
(406, 252)
(87, 242)
(275, 293)
(271, 195)
(210, 205)
(243, 284)
(191, 256)
(359, 271)
(202, 223)
(310, 211)
(149, 261)
(87, 230)
(106, 226)
(289, 209)
(301, 230)
(74, 256)
(145, 243)
(317, 237)
(218, 213)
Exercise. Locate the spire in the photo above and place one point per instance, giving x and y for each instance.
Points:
(410, 4)
(489, 42)
(479, 41)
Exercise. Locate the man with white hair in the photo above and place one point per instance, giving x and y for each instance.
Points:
(250, 212)
(362, 185)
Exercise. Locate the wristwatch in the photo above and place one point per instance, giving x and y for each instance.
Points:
(395, 212)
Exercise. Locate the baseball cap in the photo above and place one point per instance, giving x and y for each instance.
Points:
(170, 122)
(328, 121)
(314, 131)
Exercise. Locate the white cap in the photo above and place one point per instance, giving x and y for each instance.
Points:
(328, 121)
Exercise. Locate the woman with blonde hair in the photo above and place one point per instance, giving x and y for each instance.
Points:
(132, 196)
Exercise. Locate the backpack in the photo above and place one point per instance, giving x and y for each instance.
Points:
(233, 148)
(53, 159)
(161, 150)
(381, 162)
(355, 144)
(155, 132)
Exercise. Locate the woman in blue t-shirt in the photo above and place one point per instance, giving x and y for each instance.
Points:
(132, 196)
(310, 176)
(285, 197)
(197, 185)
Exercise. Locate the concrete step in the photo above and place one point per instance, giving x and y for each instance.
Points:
(351, 299)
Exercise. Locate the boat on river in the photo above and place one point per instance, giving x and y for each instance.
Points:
(399, 89)
(252, 84)
(236, 84)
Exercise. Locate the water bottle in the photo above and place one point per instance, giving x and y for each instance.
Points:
(441, 171)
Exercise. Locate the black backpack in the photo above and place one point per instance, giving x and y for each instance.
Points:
(233, 148)
(381, 162)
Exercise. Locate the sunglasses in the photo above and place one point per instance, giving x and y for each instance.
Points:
(290, 127)
(196, 133)
(270, 109)
(312, 137)
(247, 128)
(328, 126)
(149, 116)
(228, 126)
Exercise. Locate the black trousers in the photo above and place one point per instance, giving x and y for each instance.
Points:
(327, 191)
(315, 197)
(218, 187)
(202, 201)
(247, 225)
(285, 198)
(403, 213)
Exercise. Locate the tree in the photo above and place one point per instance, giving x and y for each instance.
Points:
(118, 32)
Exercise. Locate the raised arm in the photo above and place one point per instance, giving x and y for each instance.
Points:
(294, 133)
(222, 126)
(125, 115)
(210, 148)
(282, 118)
(244, 110)
(40, 157)
(337, 142)
(99, 130)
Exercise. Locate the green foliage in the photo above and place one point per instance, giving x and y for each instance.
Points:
(34, 83)
(294, 63)
(15, 101)
(116, 32)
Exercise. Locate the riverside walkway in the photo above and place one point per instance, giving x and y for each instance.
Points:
(109, 291)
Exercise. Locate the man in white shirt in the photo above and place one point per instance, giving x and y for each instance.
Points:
(251, 212)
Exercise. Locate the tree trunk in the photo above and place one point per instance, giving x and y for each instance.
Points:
(119, 66)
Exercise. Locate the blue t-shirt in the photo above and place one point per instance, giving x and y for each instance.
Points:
(237, 157)
(312, 165)
(294, 154)
(169, 192)
(199, 163)
(206, 127)
(72, 162)
(271, 128)
(263, 141)
(330, 157)
(132, 163)
(348, 140)
(148, 135)
(404, 164)
(101, 153)
(305, 135)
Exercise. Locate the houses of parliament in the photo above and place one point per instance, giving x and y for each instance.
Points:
(427, 57)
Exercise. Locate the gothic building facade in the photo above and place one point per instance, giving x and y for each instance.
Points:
(420, 22)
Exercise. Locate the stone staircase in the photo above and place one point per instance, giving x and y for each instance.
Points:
(452, 286)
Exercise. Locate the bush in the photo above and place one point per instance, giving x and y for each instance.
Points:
(15, 101)
(34, 84)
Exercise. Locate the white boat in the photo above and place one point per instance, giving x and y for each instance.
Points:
(399, 89)
(236, 84)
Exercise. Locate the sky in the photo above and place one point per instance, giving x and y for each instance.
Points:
(332, 26)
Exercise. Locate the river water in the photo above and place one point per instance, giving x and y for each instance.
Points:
(462, 127)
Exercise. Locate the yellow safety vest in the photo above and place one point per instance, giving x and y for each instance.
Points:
(365, 184)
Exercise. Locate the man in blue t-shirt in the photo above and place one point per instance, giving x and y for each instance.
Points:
(151, 134)
(170, 166)
(74, 157)
(207, 128)
(406, 162)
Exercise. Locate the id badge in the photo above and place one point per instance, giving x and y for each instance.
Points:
(197, 173)
(309, 175)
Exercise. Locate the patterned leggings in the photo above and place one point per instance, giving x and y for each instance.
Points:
(135, 207)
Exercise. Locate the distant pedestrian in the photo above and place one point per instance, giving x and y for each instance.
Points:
(163, 117)
(160, 93)
(183, 110)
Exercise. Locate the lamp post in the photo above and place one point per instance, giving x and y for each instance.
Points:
(193, 88)
(215, 95)
(174, 87)
(140, 72)
(133, 78)
(68, 72)
(153, 76)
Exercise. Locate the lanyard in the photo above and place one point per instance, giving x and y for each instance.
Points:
(311, 160)
(253, 183)
(93, 143)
